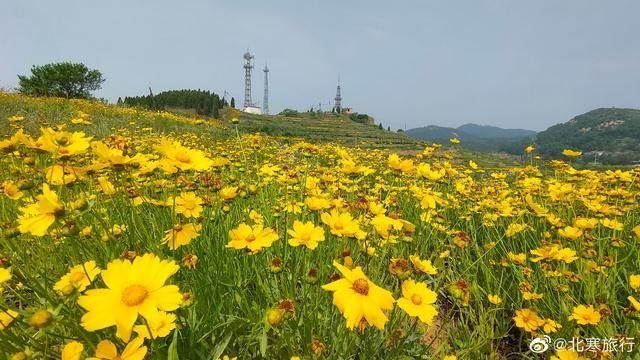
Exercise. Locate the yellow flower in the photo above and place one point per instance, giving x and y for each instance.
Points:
(565, 354)
(253, 238)
(520, 258)
(109, 156)
(61, 175)
(160, 326)
(494, 299)
(72, 351)
(315, 203)
(15, 118)
(529, 149)
(528, 320)
(341, 224)
(550, 326)
(106, 186)
(528, 295)
(306, 234)
(395, 163)
(634, 282)
(454, 141)
(11, 191)
(612, 224)
(585, 315)
(585, 223)
(106, 350)
(417, 300)
(181, 234)
(634, 303)
(189, 205)
(423, 265)
(6, 318)
(514, 229)
(358, 298)
(571, 153)
(36, 218)
(133, 288)
(5, 275)
(63, 143)
(229, 192)
(77, 279)
(636, 230)
(177, 157)
(570, 232)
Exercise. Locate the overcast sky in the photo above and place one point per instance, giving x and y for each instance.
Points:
(524, 64)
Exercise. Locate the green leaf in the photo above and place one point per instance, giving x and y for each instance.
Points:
(263, 343)
(219, 349)
(172, 354)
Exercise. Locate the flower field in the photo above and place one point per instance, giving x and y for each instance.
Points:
(129, 234)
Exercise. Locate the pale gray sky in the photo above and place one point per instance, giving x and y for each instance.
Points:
(527, 64)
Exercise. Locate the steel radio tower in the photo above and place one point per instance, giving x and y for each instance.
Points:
(265, 100)
(248, 66)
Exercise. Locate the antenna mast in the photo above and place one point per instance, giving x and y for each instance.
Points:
(248, 66)
(265, 100)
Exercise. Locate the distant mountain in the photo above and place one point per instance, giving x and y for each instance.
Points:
(477, 137)
(611, 133)
(494, 132)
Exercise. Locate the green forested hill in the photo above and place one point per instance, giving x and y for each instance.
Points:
(612, 133)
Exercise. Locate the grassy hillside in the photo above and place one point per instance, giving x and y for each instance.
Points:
(613, 133)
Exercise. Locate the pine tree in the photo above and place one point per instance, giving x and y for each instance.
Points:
(233, 103)
(380, 126)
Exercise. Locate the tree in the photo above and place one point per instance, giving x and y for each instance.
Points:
(233, 103)
(61, 79)
(380, 126)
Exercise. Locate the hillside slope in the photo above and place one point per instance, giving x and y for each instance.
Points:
(612, 133)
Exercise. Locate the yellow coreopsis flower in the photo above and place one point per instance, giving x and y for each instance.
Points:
(189, 204)
(61, 175)
(395, 163)
(63, 143)
(358, 298)
(565, 354)
(106, 350)
(634, 303)
(160, 326)
(11, 191)
(37, 217)
(6, 318)
(494, 299)
(529, 149)
(550, 326)
(417, 300)
(454, 141)
(585, 315)
(341, 224)
(306, 234)
(109, 156)
(253, 238)
(423, 265)
(177, 157)
(634, 282)
(315, 203)
(133, 288)
(72, 351)
(5, 275)
(528, 320)
(181, 234)
(514, 229)
(612, 224)
(15, 118)
(571, 153)
(77, 279)
(570, 232)
(229, 192)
